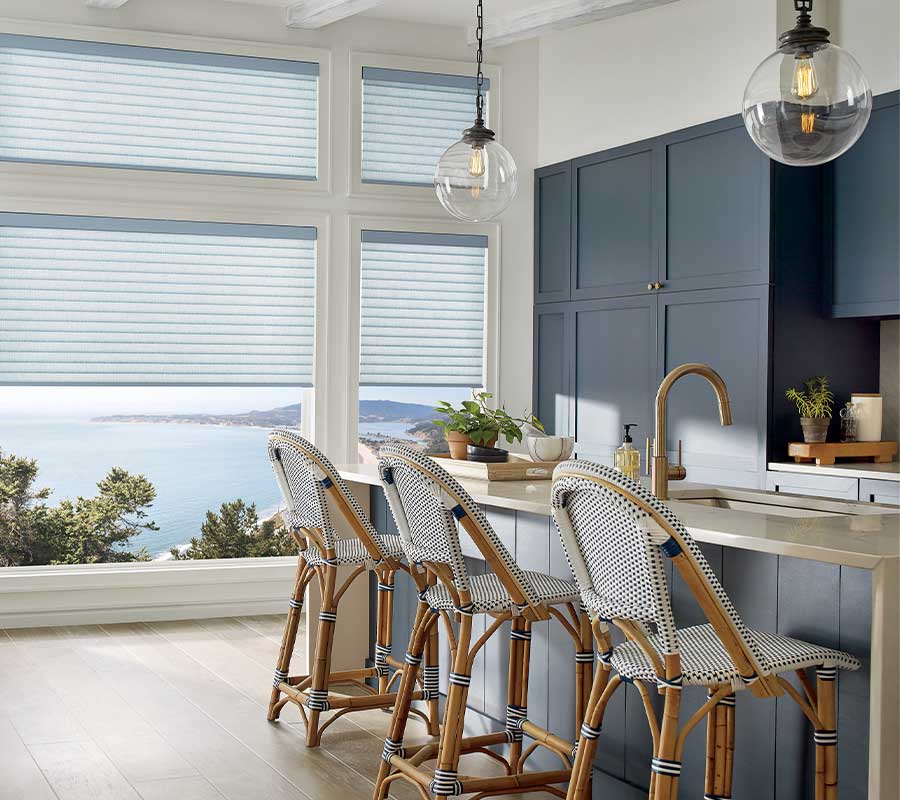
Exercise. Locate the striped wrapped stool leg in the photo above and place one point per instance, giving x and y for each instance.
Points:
(602, 690)
(431, 680)
(517, 688)
(665, 767)
(384, 627)
(393, 744)
(719, 748)
(289, 637)
(317, 699)
(826, 737)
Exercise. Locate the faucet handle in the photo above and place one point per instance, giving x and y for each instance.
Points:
(679, 452)
(677, 472)
(647, 457)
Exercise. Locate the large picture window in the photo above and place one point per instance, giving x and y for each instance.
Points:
(98, 104)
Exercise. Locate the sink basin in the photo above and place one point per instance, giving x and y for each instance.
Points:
(777, 503)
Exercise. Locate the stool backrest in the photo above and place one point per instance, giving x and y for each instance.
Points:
(306, 477)
(427, 502)
(615, 534)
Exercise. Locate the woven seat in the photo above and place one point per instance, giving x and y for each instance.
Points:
(350, 552)
(489, 594)
(705, 662)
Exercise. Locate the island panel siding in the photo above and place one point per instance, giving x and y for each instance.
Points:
(824, 603)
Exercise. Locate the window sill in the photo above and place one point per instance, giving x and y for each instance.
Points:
(85, 594)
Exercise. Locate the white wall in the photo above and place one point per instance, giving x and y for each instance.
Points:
(111, 192)
(870, 29)
(644, 74)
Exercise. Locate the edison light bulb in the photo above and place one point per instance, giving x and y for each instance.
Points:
(476, 162)
(805, 83)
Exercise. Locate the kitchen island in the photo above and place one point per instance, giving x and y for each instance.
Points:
(814, 569)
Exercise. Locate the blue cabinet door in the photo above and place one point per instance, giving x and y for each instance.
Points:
(727, 329)
(862, 209)
(614, 226)
(613, 373)
(715, 208)
(552, 232)
(552, 358)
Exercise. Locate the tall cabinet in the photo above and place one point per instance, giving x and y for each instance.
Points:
(692, 246)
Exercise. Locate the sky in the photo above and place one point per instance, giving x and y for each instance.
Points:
(84, 402)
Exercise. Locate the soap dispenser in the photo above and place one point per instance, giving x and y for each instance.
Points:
(628, 459)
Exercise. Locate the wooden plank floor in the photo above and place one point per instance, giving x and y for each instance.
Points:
(172, 710)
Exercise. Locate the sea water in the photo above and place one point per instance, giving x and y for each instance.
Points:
(194, 468)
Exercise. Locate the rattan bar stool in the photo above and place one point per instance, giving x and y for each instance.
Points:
(306, 477)
(615, 534)
(427, 504)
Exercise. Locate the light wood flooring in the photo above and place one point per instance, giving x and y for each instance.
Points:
(171, 711)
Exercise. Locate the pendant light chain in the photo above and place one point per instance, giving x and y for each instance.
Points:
(479, 78)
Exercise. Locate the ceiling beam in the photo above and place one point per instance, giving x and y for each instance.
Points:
(319, 13)
(105, 3)
(557, 15)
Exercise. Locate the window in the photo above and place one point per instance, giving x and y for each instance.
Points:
(409, 119)
(422, 332)
(143, 364)
(93, 300)
(89, 103)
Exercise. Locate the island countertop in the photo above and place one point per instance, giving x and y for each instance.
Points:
(864, 540)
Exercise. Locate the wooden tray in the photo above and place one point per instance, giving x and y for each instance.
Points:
(827, 452)
(518, 468)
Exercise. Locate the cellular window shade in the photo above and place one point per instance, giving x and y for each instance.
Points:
(422, 309)
(89, 300)
(409, 119)
(88, 103)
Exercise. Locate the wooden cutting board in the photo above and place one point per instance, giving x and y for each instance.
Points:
(827, 452)
(518, 468)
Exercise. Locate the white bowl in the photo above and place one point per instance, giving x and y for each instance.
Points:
(549, 448)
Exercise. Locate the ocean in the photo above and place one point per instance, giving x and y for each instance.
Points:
(195, 468)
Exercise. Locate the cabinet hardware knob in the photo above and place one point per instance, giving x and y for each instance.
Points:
(649, 287)
(657, 285)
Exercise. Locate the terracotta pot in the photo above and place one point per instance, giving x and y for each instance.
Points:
(459, 443)
(815, 429)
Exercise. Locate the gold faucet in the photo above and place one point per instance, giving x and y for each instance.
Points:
(661, 472)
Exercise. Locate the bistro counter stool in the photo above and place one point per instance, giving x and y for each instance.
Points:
(306, 477)
(615, 535)
(427, 503)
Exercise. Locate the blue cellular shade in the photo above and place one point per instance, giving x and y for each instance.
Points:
(409, 120)
(96, 104)
(422, 309)
(91, 300)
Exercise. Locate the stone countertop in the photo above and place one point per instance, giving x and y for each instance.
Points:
(876, 472)
(865, 539)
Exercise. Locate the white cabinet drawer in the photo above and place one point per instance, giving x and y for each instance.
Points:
(873, 491)
(813, 485)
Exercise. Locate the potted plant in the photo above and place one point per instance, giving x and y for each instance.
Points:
(475, 423)
(815, 405)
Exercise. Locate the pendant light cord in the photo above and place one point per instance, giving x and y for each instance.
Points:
(479, 78)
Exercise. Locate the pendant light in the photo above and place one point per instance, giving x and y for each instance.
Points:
(809, 101)
(476, 179)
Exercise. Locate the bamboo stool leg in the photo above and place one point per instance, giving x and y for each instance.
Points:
(582, 770)
(445, 774)
(826, 736)
(393, 744)
(317, 701)
(729, 745)
(384, 627)
(517, 688)
(665, 763)
(289, 637)
(719, 746)
(431, 681)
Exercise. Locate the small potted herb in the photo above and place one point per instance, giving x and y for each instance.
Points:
(475, 423)
(815, 405)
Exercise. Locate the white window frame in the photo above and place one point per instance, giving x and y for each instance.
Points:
(117, 175)
(358, 60)
(420, 225)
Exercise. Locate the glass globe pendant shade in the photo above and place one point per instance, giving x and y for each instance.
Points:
(806, 107)
(476, 180)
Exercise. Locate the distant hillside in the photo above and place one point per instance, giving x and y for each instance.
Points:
(286, 416)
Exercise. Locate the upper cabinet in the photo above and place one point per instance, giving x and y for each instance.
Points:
(614, 226)
(862, 205)
(552, 232)
(715, 208)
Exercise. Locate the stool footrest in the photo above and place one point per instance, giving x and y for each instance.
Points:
(548, 739)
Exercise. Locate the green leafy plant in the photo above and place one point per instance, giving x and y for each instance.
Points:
(480, 423)
(816, 401)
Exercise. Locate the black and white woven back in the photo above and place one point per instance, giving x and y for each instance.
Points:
(426, 502)
(304, 474)
(616, 549)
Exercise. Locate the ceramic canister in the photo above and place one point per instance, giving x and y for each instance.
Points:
(869, 427)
